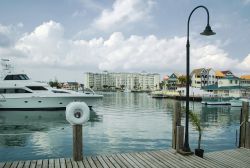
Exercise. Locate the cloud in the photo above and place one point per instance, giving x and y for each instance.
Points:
(246, 2)
(122, 13)
(245, 64)
(47, 47)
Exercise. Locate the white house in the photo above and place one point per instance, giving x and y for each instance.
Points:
(202, 77)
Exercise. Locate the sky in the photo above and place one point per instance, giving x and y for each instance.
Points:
(63, 39)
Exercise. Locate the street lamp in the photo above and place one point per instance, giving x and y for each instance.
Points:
(207, 32)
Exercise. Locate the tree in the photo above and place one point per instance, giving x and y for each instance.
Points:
(182, 80)
(196, 122)
(55, 83)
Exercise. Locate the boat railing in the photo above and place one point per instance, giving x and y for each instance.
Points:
(89, 91)
(2, 98)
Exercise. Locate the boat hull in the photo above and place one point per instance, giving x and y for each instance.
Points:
(46, 103)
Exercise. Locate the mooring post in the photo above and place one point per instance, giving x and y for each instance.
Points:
(176, 122)
(247, 142)
(244, 126)
(77, 142)
(179, 138)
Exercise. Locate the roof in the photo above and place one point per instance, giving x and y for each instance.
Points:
(219, 74)
(245, 77)
(197, 71)
(226, 72)
(230, 77)
(165, 77)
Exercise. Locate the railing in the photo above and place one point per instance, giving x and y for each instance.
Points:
(2, 98)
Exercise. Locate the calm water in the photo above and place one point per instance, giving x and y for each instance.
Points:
(124, 122)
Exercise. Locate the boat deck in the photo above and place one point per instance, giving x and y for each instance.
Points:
(150, 159)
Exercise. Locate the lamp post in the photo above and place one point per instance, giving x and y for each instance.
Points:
(207, 32)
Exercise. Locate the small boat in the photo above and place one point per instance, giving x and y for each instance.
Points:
(238, 102)
(215, 100)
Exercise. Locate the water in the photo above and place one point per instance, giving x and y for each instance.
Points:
(125, 122)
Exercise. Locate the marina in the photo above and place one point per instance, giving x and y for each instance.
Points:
(123, 123)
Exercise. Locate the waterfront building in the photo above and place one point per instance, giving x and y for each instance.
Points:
(203, 77)
(122, 81)
(70, 85)
(173, 81)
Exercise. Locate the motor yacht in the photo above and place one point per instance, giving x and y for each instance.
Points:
(19, 92)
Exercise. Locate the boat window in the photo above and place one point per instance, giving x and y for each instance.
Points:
(59, 91)
(17, 77)
(9, 91)
(36, 87)
(1, 91)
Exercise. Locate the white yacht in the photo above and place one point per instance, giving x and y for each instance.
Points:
(18, 92)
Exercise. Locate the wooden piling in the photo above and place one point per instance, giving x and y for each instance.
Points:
(247, 141)
(77, 143)
(176, 122)
(244, 126)
(179, 138)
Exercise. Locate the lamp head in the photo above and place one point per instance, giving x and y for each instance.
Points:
(208, 31)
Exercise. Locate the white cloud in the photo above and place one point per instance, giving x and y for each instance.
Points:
(46, 47)
(245, 64)
(246, 2)
(123, 12)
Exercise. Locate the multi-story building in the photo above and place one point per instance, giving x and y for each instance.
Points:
(203, 77)
(129, 81)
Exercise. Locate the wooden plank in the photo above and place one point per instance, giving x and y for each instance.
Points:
(7, 165)
(26, 164)
(80, 164)
(97, 163)
(149, 160)
(162, 159)
(33, 163)
(231, 159)
(62, 163)
(103, 163)
(123, 165)
(14, 164)
(174, 159)
(2, 164)
(127, 163)
(57, 163)
(74, 163)
(39, 163)
(197, 161)
(45, 163)
(134, 164)
(68, 163)
(112, 160)
(91, 162)
(20, 164)
(223, 160)
(86, 163)
(109, 163)
(237, 156)
(51, 163)
(140, 159)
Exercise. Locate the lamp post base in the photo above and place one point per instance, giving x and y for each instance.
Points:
(185, 153)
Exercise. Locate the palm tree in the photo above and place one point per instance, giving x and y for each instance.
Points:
(196, 122)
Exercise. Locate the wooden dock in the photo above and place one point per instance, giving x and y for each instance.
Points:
(151, 159)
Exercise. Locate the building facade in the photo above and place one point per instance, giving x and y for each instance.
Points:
(122, 81)
(203, 77)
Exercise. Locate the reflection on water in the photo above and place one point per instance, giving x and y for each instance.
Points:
(124, 122)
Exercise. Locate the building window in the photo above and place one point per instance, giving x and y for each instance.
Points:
(231, 81)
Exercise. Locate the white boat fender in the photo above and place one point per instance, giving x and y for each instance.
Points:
(77, 113)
